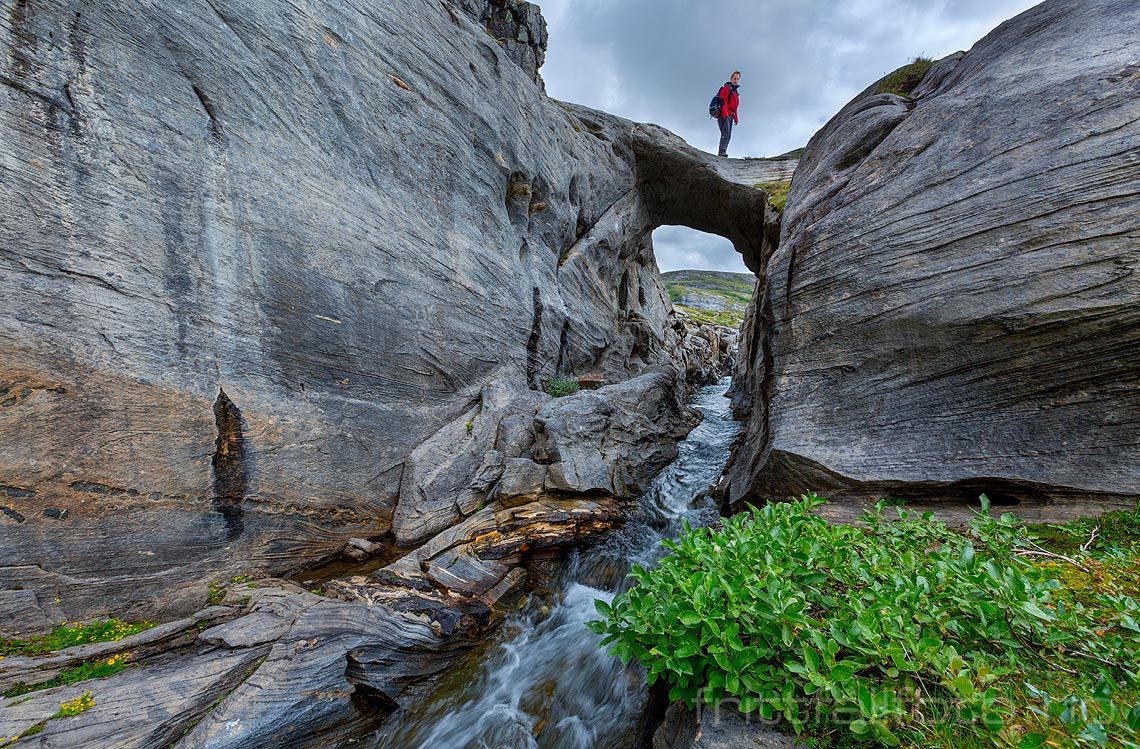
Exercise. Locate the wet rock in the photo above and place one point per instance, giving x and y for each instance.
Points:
(953, 307)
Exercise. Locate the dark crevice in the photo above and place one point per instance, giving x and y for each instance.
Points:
(366, 698)
(532, 363)
(229, 464)
(215, 125)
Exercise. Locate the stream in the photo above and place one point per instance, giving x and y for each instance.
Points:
(541, 681)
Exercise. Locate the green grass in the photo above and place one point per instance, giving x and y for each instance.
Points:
(560, 387)
(97, 669)
(726, 318)
(66, 636)
(731, 291)
(777, 193)
(906, 79)
(1112, 529)
(898, 630)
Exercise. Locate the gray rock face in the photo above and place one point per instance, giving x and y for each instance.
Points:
(275, 285)
(954, 307)
(723, 727)
(260, 271)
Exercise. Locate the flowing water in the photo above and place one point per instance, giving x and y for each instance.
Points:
(542, 681)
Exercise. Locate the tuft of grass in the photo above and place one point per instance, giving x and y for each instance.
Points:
(70, 635)
(98, 669)
(560, 387)
(80, 704)
(33, 730)
(777, 193)
(215, 593)
(906, 79)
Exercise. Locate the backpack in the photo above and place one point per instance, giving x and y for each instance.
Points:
(716, 105)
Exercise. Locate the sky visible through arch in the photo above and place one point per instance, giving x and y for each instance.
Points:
(662, 60)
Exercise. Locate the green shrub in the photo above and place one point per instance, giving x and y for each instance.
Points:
(562, 386)
(777, 193)
(906, 79)
(898, 629)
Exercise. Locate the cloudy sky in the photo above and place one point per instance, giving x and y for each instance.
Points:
(802, 60)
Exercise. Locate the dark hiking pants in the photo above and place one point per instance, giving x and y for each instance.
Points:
(725, 134)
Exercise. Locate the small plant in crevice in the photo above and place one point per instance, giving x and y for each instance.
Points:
(777, 193)
(560, 387)
(80, 704)
(215, 593)
(906, 79)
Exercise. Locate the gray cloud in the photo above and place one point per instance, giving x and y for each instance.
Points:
(802, 60)
(681, 248)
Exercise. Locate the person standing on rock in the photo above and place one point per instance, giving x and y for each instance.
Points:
(730, 100)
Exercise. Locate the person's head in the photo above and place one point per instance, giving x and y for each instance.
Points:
(735, 78)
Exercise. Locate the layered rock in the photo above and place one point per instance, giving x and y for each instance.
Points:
(954, 306)
(261, 272)
(518, 27)
(278, 283)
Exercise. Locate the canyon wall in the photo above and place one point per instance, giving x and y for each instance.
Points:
(954, 307)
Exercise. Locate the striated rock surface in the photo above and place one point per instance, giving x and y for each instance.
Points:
(282, 286)
(275, 281)
(955, 303)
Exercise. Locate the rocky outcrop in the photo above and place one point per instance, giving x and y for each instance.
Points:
(275, 282)
(518, 27)
(711, 348)
(954, 307)
(278, 285)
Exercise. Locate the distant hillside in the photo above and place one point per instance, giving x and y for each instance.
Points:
(711, 296)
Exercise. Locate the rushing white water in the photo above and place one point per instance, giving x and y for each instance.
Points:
(543, 682)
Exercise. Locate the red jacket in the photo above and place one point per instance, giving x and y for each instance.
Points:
(731, 101)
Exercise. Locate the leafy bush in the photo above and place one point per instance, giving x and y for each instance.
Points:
(777, 193)
(562, 386)
(906, 79)
(900, 629)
